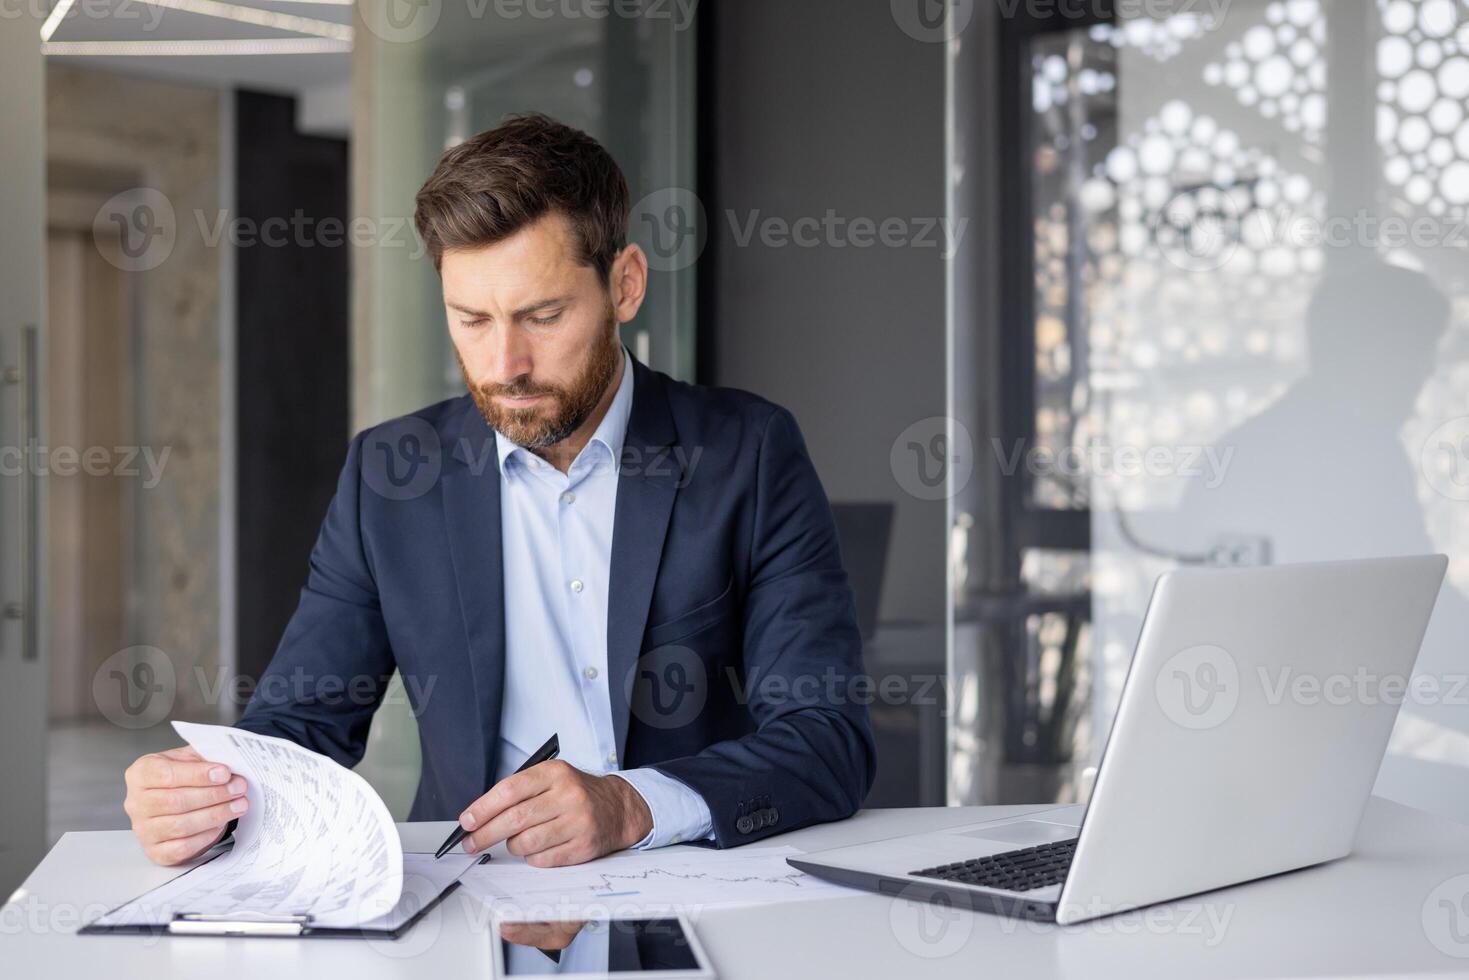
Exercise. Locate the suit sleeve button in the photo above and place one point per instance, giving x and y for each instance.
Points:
(744, 825)
(772, 815)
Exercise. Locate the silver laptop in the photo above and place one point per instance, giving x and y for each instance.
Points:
(1252, 723)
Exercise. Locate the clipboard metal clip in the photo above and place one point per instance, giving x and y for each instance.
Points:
(240, 924)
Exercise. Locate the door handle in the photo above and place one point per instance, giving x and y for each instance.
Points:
(23, 376)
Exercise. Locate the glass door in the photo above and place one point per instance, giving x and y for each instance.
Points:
(22, 301)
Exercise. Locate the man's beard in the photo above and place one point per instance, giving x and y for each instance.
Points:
(541, 427)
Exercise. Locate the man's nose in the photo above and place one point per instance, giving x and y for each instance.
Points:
(510, 355)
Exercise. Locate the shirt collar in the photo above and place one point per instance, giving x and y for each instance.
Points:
(611, 433)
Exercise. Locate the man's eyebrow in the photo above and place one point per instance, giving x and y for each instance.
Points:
(465, 309)
(523, 311)
(543, 304)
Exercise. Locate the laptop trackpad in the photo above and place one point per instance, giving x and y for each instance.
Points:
(1024, 832)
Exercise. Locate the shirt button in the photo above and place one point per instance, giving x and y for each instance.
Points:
(612, 758)
(576, 585)
(590, 673)
(568, 497)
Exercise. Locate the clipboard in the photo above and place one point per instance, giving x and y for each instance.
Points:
(266, 926)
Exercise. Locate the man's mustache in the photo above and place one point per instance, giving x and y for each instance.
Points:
(516, 389)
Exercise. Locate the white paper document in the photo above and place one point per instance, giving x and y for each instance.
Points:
(670, 879)
(317, 841)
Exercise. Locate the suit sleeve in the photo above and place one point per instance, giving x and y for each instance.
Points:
(333, 664)
(812, 757)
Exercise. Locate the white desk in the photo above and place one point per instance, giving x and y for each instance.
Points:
(1377, 912)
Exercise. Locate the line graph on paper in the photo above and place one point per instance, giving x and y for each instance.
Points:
(667, 879)
(615, 884)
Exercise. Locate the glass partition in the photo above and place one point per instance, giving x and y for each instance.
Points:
(433, 74)
(1241, 276)
(428, 75)
(1284, 326)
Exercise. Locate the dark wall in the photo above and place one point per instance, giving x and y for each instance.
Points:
(808, 108)
(292, 361)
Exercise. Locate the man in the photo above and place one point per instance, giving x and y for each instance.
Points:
(579, 546)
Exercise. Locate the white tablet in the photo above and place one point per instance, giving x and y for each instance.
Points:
(625, 948)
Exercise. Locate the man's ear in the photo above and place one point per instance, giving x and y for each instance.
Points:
(628, 282)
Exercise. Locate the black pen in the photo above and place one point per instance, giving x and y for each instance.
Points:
(545, 753)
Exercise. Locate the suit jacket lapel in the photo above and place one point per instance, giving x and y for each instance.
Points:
(646, 489)
(471, 489)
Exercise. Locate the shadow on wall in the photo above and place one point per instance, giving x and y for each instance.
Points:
(1323, 474)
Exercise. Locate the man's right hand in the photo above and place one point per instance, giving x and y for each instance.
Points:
(180, 804)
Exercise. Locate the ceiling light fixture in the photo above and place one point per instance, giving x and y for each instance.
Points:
(259, 18)
(185, 49)
(53, 19)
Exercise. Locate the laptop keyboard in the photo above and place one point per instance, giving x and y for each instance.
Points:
(1015, 871)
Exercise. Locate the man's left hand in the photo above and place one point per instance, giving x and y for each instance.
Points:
(554, 814)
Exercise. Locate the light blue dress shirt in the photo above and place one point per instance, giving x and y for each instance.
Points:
(556, 534)
(590, 954)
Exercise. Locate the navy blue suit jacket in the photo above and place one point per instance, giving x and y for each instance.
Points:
(732, 647)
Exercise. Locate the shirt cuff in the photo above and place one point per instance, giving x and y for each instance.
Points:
(679, 814)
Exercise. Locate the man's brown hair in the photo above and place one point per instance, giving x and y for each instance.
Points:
(491, 186)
